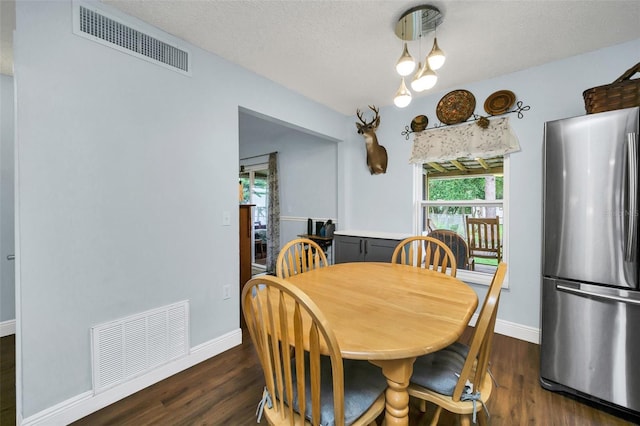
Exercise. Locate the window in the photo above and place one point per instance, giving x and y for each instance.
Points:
(255, 188)
(450, 193)
(461, 173)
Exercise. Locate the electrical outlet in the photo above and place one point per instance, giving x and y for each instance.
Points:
(226, 292)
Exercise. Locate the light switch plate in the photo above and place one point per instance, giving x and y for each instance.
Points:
(226, 218)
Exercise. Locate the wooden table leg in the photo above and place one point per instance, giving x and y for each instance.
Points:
(398, 373)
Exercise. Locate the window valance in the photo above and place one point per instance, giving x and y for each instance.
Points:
(467, 140)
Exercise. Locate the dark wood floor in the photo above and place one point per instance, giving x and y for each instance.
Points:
(225, 390)
(8, 380)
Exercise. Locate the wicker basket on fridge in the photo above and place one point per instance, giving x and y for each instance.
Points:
(622, 93)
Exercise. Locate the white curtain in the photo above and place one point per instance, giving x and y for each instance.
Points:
(466, 140)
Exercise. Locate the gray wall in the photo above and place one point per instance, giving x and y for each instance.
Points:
(125, 171)
(7, 276)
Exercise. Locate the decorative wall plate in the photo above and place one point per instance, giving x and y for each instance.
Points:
(456, 107)
(499, 102)
(419, 123)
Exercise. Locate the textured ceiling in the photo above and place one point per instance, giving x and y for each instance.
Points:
(342, 53)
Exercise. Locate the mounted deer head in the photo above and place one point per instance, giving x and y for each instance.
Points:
(376, 154)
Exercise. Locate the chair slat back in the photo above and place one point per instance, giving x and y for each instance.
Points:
(456, 243)
(482, 340)
(426, 252)
(298, 256)
(273, 308)
(483, 236)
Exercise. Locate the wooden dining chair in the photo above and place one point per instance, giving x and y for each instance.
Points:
(307, 381)
(298, 256)
(426, 252)
(483, 237)
(441, 377)
(458, 247)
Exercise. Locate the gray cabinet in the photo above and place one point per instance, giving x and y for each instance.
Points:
(350, 248)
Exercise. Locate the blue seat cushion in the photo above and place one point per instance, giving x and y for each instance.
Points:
(363, 384)
(460, 348)
(439, 371)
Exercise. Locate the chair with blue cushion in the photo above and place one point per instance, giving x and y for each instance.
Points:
(456, 378)
(298, 256)
(307, 381)
(425, 252)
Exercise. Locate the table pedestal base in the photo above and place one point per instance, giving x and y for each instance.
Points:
(398, 373)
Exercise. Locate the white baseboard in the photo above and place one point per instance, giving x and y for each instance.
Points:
(86, 403)
(7, 328)
(512, 329)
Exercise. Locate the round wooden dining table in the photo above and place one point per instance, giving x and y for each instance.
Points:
(389, 314)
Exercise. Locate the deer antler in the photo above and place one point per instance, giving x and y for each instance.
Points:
(372, 108)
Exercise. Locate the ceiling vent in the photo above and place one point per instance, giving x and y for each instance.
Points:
(97, 26)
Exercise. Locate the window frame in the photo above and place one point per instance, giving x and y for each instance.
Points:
(470, 277)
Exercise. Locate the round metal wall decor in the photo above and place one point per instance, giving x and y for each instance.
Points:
(499, 102)
(419, 123)
(456, 106)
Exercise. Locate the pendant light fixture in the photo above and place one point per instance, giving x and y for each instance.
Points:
(428, 78)
(414, 24)
(403, 96)
(436, 57)
(416, 83)
(406, 64)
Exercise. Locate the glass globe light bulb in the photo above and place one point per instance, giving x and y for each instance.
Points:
(405, 64)
(417, 84)
(403, 96)
(436, 57)
(429, 78)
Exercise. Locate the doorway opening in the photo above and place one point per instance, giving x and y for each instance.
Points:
(255, 190)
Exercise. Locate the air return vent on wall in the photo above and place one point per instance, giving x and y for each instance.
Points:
(97, 26)
(131, 346)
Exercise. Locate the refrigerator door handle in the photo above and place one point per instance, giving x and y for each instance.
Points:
(632, 216)
(611, 297)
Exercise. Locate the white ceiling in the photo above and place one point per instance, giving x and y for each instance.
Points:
(342, 53)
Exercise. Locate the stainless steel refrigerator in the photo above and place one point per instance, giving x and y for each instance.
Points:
(590, 259)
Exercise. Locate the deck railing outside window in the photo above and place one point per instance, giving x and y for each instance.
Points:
(447, 201)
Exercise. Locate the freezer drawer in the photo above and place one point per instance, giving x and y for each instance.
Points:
(591, 340)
